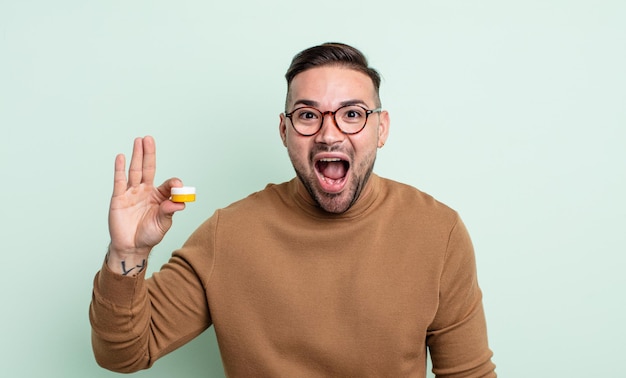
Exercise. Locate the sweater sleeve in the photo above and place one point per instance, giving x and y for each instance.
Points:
(136, 320)
(457, 337)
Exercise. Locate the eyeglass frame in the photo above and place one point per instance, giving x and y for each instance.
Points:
(333, 113)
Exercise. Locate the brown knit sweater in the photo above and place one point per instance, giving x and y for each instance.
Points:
(293, 291)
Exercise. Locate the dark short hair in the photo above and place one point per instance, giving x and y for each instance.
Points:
(332, 54)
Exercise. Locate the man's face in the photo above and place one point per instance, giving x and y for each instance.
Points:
(334, 167)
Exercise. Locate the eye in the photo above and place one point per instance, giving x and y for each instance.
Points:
(352, 114)
(306, 115)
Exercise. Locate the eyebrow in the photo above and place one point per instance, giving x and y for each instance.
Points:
(312, 103)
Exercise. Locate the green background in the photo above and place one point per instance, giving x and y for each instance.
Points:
(511, 112)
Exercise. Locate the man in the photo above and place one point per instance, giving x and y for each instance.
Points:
(337, 272)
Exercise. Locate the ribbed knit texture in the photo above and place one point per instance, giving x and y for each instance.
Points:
(295, 292)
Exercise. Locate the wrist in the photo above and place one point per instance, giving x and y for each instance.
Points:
(126, 263)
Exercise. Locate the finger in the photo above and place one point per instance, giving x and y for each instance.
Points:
(166, 188)
(119, 177)
(166, 214)
(149, 160)
(168, 208)
(136, 163)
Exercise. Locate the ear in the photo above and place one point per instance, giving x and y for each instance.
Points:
(383, 128)
(282, 129)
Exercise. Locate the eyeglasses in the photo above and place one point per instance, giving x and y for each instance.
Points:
(349, 119)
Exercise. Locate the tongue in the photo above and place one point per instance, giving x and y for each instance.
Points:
(333, 170)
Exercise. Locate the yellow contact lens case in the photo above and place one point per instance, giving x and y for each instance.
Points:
(184, 194)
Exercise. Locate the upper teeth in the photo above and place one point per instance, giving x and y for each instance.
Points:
(330, 159)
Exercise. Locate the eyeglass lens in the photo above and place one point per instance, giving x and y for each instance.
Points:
(350, 119)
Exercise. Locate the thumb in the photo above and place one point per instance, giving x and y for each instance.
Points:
(167, 208)
(165, 188)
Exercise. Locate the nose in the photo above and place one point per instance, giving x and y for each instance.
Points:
(329, 133)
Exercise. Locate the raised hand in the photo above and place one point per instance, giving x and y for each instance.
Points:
(140, 214)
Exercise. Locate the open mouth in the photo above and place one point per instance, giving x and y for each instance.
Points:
(332, 173)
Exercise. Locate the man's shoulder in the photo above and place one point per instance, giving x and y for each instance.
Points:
(260, 200)
(412, 198)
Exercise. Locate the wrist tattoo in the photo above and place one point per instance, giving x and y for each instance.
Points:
(139, 267)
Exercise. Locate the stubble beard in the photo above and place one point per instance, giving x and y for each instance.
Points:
(337, 203)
